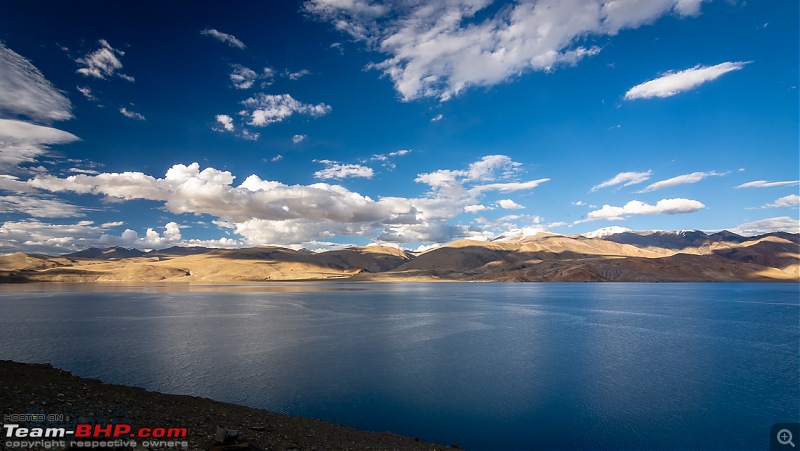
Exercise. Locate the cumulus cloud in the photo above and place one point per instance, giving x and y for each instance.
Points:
(223, 37)
(509, 204)
(694, 177)
(296, 139)
(438, 49)
(627, 178)
(244, 78)
(21, 142)
(791, 200)
(131, 114)
(769, 225)
(33, 235)
(270, 212)
(766, 184)
(635, 208)
(437, 118)
(672, 83)
(102, 63)
(264, 109)
(475, 208)
(336, 170)
(225, 121)
(24, 92)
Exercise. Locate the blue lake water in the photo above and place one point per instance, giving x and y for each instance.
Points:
(510, 366)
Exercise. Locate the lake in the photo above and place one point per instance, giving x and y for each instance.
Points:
(483, 365)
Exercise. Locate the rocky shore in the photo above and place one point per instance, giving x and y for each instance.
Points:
(26, 388)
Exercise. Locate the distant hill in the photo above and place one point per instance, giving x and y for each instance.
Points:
(529, 255)
(179, 250)
(109, 252)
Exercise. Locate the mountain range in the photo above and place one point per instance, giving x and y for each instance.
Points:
(611, 254)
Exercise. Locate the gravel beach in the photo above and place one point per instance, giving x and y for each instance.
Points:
(26, 388)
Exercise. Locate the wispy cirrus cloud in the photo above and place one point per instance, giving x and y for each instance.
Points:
(103, 62)
(624, 178)
(22, 142)
(131, 114)
(24, 91)
(684, 179)
(638, 208)
(792, 200)
(223, 37)
(672, 83)
(766, 184)
(39, 207)
(768, 225)
(439, 49)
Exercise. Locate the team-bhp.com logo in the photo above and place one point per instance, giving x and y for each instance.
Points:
(94, 431)
(94, 436)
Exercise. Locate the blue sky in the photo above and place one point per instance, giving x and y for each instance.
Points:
(414, 123)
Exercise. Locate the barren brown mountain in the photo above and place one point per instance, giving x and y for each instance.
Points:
(627, 256)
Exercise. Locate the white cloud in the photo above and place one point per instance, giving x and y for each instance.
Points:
(385, 159)
(509, 204)
(277, 158)
(298, 75)
(14, 184)
(269, 212)
(87, 92)
(628, 178)
(83, 171)
(766, 184)
(25, 92)
(225, 121)
(437, 118)
(769, 225)
(223, 37)
(672, 83)
(109, 225)
(438, 49)
(475, 208)
(335, 170)
(102, 63)
(694, 177)
(298, 138)
(244, 78)
(131, 114)
(21, 142)
(250, 136)
(38, 207)
(635, 207)
(791, 200)
(37, 236)
(265, 109)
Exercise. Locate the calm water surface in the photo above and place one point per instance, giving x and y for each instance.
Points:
(569, 366)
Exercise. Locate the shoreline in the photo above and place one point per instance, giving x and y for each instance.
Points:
(33, 387)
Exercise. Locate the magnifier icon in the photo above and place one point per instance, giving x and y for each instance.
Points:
(785, 437)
